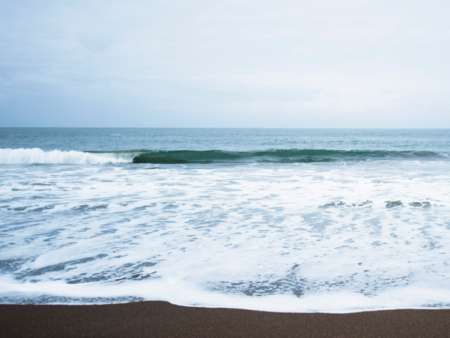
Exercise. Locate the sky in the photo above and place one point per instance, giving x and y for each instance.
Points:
(246, 63)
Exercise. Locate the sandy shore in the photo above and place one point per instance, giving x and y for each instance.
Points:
(161, 319)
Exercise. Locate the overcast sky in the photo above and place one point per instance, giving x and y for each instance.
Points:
(243, 63)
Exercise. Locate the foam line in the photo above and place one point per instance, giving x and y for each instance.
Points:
(36, 155)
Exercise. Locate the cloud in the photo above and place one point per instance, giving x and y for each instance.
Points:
(201, 63)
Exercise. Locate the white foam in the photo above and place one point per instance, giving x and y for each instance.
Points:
(276, 238)
(39, 156)
(181, 293)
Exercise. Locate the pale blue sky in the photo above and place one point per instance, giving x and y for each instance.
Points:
(246, 63)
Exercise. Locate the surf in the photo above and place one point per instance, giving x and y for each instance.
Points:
(39, 156)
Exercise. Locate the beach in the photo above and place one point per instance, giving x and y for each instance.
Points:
(161, 319)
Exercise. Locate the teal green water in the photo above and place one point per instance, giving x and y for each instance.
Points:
(279, 156)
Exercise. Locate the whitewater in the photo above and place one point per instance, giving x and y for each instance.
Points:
(275, 220)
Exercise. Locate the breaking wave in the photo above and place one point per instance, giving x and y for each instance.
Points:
(36, 155)
(278, 156)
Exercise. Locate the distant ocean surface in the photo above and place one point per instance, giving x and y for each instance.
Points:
(292, 220)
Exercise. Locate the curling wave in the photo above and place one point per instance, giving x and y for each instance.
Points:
(278, 156)
(36, 155)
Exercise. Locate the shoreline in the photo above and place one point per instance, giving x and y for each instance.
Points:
(162, 319)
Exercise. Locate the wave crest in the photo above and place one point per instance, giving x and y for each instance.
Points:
(277, 156)
(36, 155)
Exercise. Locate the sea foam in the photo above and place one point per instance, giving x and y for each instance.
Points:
(39, 156)
(307, 237)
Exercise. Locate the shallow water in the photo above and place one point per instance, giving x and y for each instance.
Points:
(350, 234)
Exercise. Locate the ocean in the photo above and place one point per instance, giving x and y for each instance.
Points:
(289, 220)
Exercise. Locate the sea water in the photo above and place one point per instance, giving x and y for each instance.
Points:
(295, 220)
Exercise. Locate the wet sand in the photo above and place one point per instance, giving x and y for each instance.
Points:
(161, 319)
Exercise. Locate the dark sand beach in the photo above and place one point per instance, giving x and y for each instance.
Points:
(161, 319)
